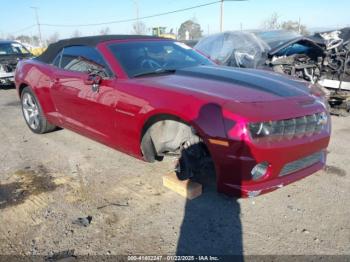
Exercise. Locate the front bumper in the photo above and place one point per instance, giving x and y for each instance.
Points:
(7, 78)
(254, 190)
(235, 162)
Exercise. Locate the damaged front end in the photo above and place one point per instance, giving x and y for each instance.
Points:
(323, 59)
(300, 57)
(7, 71)
(10, 53)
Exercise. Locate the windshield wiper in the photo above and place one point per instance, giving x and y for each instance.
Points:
(156, 72)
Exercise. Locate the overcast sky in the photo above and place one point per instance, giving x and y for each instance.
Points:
(16, 14)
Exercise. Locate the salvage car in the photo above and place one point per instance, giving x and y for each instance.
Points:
(153, 97)
(10, 53)
(323, 58)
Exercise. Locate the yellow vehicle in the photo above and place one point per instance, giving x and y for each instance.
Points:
(36, 51)
(160, 32)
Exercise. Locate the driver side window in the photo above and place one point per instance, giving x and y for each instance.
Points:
(83, 59)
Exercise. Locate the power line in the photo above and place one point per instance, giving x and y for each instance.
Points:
(132, 19)
(120, 21)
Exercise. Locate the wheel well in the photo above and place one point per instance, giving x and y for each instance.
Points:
(20, 89)
(164, 133)
(160, 117)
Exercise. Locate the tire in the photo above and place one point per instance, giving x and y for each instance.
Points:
(33, 113)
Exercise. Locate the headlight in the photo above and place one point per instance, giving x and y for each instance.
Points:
(300, 126)
(2, 69)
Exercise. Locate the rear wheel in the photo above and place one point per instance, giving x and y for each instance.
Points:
(33, 113)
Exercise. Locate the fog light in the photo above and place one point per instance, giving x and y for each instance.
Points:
(259, 170)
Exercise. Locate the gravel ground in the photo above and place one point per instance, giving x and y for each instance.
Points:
(48, 181)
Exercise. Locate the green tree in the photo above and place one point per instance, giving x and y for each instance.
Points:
(193, 29)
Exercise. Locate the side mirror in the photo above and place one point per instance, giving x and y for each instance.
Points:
(93, 80)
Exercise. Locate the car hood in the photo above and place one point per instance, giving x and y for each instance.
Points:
(298, 40)
(231, 84)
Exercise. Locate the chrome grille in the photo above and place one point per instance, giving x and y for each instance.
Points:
(302, 163)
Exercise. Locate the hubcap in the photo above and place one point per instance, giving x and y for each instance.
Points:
(30, 110)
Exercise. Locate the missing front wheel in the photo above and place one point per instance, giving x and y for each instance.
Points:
(191, 161)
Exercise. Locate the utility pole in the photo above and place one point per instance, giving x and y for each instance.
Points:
(136, 3)
(37, 23)
(222, 11)
(221, 14)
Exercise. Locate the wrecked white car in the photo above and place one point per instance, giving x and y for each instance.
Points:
(322, 59)
(10, 53)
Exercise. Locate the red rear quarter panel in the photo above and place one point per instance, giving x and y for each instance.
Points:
(38, 76)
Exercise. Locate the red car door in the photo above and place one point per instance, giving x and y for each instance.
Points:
(84, 108)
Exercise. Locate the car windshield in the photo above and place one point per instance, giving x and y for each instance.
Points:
(145, 57)
(277, 37)
(12, 49)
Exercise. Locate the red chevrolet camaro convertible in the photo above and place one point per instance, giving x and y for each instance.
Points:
(153, 97)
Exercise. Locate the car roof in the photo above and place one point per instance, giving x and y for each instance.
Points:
(53, 49)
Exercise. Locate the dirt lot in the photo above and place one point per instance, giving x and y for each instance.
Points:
(48, 181)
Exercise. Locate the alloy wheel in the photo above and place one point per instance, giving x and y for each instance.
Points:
(30, 110)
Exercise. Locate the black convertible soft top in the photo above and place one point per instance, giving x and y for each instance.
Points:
(49, 55)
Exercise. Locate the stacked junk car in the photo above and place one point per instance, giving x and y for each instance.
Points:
(323, 59)
(10, 53)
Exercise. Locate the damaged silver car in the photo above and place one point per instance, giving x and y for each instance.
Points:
(322, 59)
(10, 53)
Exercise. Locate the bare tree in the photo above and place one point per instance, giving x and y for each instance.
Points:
(139, 28)
(272, 23)
(10, 37)
(105, 31)
(53, 38)
(295, 26)
(24, 39)
(76, 33)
